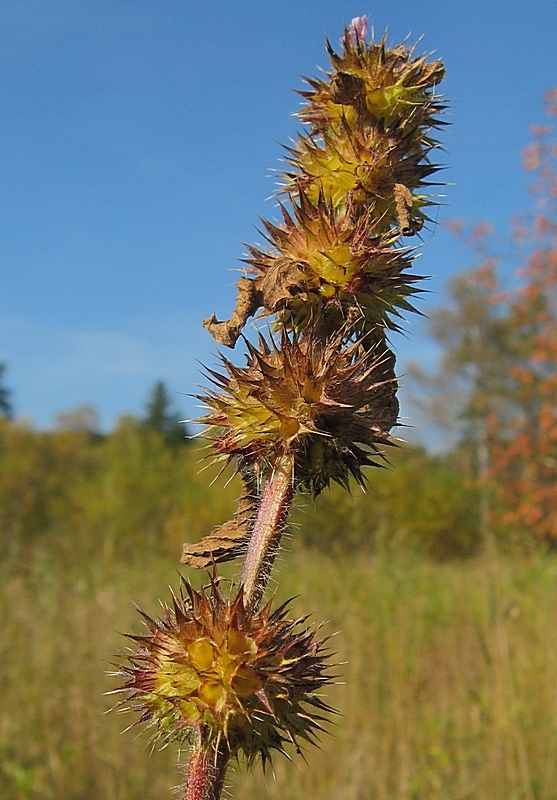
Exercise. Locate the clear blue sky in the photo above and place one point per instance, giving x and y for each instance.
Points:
(137, 143)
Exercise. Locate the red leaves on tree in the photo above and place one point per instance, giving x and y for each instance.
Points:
(523, 445)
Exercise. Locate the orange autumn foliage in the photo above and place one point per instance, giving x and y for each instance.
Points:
(523, 445)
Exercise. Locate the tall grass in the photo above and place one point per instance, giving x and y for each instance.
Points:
(449, 691)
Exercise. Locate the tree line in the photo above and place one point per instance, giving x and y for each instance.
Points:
(495, 393)
(496, 386)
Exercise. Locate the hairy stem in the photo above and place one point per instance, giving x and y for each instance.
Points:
(206, 771)
(207, 767)
(267, 530)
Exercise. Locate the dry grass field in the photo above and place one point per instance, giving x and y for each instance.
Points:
(448, 687)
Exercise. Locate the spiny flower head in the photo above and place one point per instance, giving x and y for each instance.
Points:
(372, 171)
(357, 182)
(326, 404)
(372, 83)
(243, 679)
(324, 264)
(370, 132)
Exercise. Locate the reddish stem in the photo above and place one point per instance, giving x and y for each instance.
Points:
(207, 767)
(267, 530)
(206, 771)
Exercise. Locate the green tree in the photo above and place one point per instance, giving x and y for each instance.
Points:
(6, 408)
(467, 387)
(160, 415)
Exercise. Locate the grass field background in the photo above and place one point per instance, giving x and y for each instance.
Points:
(448, 690)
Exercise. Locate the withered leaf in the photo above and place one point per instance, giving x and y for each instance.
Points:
(279, 283)
(431, 74)
(403, 200)
(346, 88)
(247, 303)
(229, 541)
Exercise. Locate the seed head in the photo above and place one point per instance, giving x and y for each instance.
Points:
(370, 126)
(247, 680)
(325, 404)
(335, 264)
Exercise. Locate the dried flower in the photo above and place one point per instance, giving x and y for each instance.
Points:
(242, 680)
(358, 28)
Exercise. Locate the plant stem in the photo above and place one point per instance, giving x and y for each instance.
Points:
(267, 530)
(206, 771)
(207, 767)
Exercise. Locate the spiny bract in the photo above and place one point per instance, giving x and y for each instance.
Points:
(370, 133)
(324, 264)
(355, 185)
(243, 680)
(325, 404)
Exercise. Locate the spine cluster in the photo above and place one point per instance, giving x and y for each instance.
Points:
(315, 402)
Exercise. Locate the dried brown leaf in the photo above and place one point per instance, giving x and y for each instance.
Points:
(229, 541)
(247, 303)
(279, 283)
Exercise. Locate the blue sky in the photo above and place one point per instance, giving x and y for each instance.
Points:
(138, 141)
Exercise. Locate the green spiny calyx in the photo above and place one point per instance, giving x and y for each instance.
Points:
(324, 263)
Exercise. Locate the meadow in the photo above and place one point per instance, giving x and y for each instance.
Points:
(447, 686)
(448, 690)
